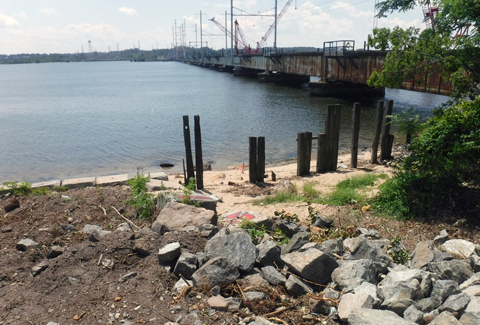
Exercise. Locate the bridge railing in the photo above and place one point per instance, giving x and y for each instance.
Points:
(338, 48)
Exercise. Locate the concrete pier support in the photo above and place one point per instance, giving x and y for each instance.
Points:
(282, 78)
(225, 68)
(343, 89)
(214, 67)
(244, 72)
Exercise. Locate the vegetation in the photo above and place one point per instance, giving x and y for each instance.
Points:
(257, 232)
(445, 157)
(19, 189)
(141, 199)
(397, 251)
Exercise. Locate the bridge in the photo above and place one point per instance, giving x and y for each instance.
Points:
(342, 70)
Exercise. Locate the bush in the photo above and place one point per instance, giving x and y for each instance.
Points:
(443, 157)
(141, 199)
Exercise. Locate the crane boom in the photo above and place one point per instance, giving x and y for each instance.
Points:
(269, 31)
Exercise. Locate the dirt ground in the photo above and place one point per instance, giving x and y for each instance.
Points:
(82, 286)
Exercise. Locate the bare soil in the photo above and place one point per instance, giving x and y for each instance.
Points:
(82, 287)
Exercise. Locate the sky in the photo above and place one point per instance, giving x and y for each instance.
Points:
(67, 26)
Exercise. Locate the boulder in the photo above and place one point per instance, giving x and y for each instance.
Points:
(284, 186)
(351, 302)
(297, 287)
(445, 318)
(124, 227)
(325, 306)
(412, 314)
(426, 305)
(298, 240)
(89, 229)
(361, 249)
(236, 247)
(96, 235)
(312, 265)
(469, 318)
(186, 265)
(459, 248)
(441, 238)
(456, 304)
(369, 233)
(422, 255)
(332, 246)
(473, 280)
(25, 244)
(288, 228)
(169, 253)
(217, 303)
(443, 289)
(351, 274)
(269, 254)
(372, 290)
(175, 216)
(273, 276)
(217, 271)
(472, 291)
(473, 305)
(322, 221)
(457, 270)
(365, 316)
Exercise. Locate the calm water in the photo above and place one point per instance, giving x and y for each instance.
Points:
(98, 118)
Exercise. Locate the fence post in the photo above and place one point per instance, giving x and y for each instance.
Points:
(336, 135)
(322, 153)
(252, 169)
(261, 159)
(329, 131)
(188, 148)
(198, 153)
(386, 147)
(355, 134)
(308, 152)
(378, 130)
(301, 148)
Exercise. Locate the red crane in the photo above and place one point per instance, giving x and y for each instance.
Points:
(238, 32)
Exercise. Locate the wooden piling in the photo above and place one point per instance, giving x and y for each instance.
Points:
(198, 153)
(355, 134)
(386, 147)
(330, 131)
(308, 152)
(301, 154)
(336, 135)
(322, 153)
(252, 169)
(260, 159)
(188, 148)
(378, 130)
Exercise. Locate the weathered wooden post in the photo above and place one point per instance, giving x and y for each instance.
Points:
(322, 153)
(387, 140)
(198, 153)
(301, 154)
(252, 169)
(338, 115)
(261, 159)
(355, 134)
(378, 130)
(308, 152)
(188, 148)
(332, 130)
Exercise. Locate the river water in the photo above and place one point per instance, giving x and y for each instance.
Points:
(63, 120)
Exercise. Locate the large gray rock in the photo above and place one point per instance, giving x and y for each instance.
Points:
(459, 248)
(26, 243)
(443, 289)
(472, 291)
(273, 276)
(412, 314)
(269, 254)
(89, 229)
(427, 305)
(351, 302)
(361, 249)
(297, 287)
(369, 233)
(455, 304)
(474, 305)
(186, 265)
(441, 238)
(372, 290)
(236, 247)
(175, 216)
(469, 318)
(475, 263)
(399, 275)
(445, 318)
(217, 271)
(312, 265)
(298, 240)
(288, 228)
(364, 316)
(472, 281)
(332, 246)
(422, 255)
(169, 252)
(351, 274)
(457, 270)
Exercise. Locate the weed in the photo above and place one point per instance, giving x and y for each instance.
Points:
(41, 191)
(257, 232)
(398, 252)
(19, 189)
(309, 192)
(281, 197)
(100, 193)
(187, 192)
(332, 233)
(191, 186)
(61, 188)
(346, 192)
(141, 199)
(287, 216)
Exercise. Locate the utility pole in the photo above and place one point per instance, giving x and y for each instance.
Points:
(231, 29)
(226, 40)
(275, 38)
(201, 35)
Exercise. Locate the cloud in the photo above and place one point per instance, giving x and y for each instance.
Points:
(49, 11)
(128, 11)
(8, 22)
(22, 15)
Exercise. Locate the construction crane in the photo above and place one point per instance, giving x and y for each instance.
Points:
(238, 31)
(429, 14)
(269, 31)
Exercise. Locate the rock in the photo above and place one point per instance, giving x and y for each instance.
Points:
(202, 258)
(428, 317)
(369, 233)
(68, 228)
(351, 302)
(312, 265)
(273, 276)
(322, 221)
(470, 318)
(217, 271)
(422, 255)
(361, 249)
(255, 280)
(96, 235)
(473, 280)
(284, 186)
(297, 287)
(364, 316)
(351, 274)
(441, 238)
(474, 305)
(89, 229)
(176, 215)
(288, 228)
(443, 289)
(332, 246)
(55, 251)
(190, 229)
(25, 244)
(127, 277)
(11, 205)
(217, 303)
(372, 290)
(459, 248)
(169, 253)
(159, 228)
(456, 304)
(414, 315)
(445, 318)
(126, 227)
(472, 291)
(269, 254)
(52, 323)
(208, 230)
(39, 268)
(457, 270)
(142, 246)
(234, 304)
(186, 265)
(180, 284)
(475, 262)
(236, 247)
(427, 305)
(215, 291)
(255, 295)
(309, 245)
(327, 305)
(297, 241)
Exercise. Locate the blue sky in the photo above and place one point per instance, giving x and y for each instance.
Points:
(64, 26)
